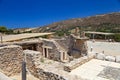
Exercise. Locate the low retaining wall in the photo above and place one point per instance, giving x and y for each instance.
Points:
(77, 62)
(10, 59)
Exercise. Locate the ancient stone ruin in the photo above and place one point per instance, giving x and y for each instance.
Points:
(10, 59)
(77, 46)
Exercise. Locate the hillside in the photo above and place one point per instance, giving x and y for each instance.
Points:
(21, 30)
(105, 23)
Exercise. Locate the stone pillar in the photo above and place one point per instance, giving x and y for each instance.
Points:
(63, 54)
(43, 52)
(47, 52)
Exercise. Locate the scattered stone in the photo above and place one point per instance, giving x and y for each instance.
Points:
(100, 56)
(117, 59)
(110, 58)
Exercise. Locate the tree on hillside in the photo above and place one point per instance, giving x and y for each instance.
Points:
(62, 32)
(9, 31)
(3, 29)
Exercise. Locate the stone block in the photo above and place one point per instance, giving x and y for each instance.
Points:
(110, 58)
(100, 56)
(117, 59)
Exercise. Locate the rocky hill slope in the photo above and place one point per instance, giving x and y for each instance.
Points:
(106, 23)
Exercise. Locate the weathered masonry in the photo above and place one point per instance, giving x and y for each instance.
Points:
(52, 50)
(77, 46)
(10, 59)
(62, 50)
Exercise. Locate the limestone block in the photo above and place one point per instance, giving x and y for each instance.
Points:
(117, 59)
(110, 58)
(91, 56)
(100, 56)
(75, 63)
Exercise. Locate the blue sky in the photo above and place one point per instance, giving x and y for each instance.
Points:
(34, 13)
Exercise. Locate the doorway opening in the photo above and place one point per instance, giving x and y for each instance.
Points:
(45, 52)
(63, 55)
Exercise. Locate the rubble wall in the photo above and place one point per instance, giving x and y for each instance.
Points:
(36, 71)
(10, 59)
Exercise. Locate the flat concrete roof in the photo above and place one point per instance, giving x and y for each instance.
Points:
(22, 36)
(98, 70)
(102, 33)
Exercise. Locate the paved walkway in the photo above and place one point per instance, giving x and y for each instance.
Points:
(93, 69)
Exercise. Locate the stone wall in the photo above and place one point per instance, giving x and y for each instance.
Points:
(77, 62)
(77, 46)
(64, 43)
(39, 46)
(53, 53)
(10, 59)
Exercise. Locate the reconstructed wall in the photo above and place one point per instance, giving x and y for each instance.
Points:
(53, 53)
(10, 59)
(77, 46)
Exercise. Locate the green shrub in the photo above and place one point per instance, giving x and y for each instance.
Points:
(62, 32)
(42, 60)
(117, 37)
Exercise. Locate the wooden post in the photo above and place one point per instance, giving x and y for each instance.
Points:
(1, 39)
(23, 70)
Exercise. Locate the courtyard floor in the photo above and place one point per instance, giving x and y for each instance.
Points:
(109, 48)
(98, 70)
